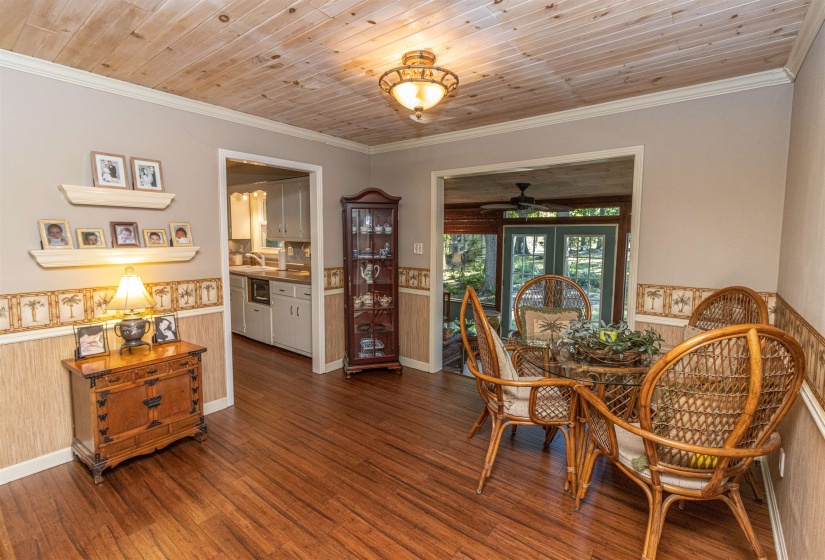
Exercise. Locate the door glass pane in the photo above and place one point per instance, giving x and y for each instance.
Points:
(528, 261)
(584, 263)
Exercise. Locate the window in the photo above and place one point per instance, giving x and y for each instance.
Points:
(584, 263)
(575, 213)
(470, 260)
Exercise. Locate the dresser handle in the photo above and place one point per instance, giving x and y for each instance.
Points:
(184, 363)
(113, 379)
(151, 371)
(153, 402)
(151, 382)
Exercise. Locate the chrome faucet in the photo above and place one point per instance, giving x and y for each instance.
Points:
(258, 257)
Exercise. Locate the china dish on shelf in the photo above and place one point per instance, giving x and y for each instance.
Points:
(371, 343)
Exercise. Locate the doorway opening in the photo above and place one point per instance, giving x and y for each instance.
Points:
(258, 184)
(577, 223)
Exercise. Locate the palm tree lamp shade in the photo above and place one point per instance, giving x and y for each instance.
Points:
(419, 84)
(131, 298)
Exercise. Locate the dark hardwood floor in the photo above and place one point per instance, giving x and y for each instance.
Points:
(379, 466)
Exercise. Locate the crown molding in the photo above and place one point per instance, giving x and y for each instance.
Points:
(23, 63)
(30, 65)
(811, 24)
(710, 89)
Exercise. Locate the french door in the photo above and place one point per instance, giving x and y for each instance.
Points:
(586, 254)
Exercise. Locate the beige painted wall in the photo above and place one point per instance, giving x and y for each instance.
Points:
(48, 129)
(714, 179)
(801, 493)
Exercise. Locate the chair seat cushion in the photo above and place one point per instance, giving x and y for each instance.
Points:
(632, 447)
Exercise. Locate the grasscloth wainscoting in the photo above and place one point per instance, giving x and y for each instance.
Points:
(36, 417)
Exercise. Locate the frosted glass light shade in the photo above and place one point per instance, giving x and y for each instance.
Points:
(131, 294)
(418, 95)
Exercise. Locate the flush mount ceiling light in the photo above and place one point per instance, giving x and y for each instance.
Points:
(418, 84)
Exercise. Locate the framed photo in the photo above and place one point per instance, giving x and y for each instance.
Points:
(125, 234)
(181, 234)
(146, 175)
(90, 238)
(109, 170)
(166, 329)
(91, 340)
(55, 234)
(155, 238)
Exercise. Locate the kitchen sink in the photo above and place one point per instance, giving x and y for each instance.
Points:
(250, 268)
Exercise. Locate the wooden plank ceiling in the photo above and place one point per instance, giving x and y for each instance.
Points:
(608, 178)
(315, 63)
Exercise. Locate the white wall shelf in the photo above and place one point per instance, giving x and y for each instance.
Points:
(56, 258)
(93, 196)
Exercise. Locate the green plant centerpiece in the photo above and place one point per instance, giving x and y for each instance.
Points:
(615, 343)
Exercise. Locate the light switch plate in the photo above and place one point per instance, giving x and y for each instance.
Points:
(289, 251)
(418, 248)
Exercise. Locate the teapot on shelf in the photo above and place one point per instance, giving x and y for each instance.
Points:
(369, 272)
(367, 299)
(384, 300)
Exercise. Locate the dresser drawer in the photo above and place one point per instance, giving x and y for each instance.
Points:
(131, 375)
(183, 363)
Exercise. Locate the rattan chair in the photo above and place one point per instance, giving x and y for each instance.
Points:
(706, 410)
(734, 305)
(550, 290)
(522, 400)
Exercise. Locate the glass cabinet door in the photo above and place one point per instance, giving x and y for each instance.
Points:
(373, 274)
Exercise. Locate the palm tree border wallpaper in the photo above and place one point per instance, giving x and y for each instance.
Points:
(42, 310)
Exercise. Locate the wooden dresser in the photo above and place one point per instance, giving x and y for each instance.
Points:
(136, 403)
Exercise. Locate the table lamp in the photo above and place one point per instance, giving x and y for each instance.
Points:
(131, 298)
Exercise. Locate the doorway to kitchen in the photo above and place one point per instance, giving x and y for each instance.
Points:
(266, 241)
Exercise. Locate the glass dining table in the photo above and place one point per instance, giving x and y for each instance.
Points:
(617, 382)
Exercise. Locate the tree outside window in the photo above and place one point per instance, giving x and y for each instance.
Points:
(470, 260)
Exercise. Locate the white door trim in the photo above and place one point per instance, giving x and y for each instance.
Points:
(316, 191)
(437, 229)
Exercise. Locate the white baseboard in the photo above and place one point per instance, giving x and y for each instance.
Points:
(773, 511)
(332, 366)
(415, 364)
(214, 406)
(35, 465)
(55, 458)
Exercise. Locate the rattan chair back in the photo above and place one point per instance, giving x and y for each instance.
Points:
(550, 290)
(735, 305)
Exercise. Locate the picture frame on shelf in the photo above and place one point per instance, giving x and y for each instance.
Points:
(109, 171)
(90, 238)
(55, 234)
(166, 328)
(180, 234)
(91, 340)
(155, 238)
(125, 234)
(147, 175)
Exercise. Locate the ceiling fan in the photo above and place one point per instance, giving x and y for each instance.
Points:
(525, 204)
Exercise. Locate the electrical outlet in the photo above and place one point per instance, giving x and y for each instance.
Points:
(289, 251)
(781, 463)
(418, 248)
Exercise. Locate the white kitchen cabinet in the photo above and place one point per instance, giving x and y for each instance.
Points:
(239, 217)
(287, 210)
(303, 326)
(283, 313)
(237, 301)
(303, 191)
(258, 322)
(292, 210)
(291, 316)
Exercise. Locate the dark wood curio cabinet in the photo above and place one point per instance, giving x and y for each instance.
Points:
(371, 281)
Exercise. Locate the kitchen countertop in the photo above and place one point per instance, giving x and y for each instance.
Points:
(291, 276)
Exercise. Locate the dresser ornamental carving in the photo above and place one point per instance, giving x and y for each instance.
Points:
(130, 405)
